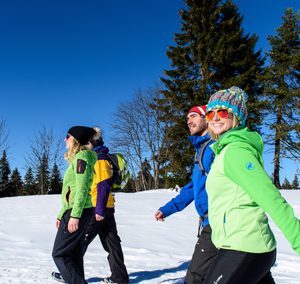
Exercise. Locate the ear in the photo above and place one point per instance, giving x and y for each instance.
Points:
(89, 145)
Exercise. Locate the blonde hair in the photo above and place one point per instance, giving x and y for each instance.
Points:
(235, 123)
(74, 148)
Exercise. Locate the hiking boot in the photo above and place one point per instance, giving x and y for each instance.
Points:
(57, 277)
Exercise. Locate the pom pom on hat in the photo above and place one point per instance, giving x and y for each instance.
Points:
(234, 99)
(198, 109)
(97, 140)
(82, 134)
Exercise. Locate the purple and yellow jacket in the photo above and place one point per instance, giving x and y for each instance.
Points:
(101, 187)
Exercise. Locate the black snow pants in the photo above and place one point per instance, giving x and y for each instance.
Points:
(106, 229)
(203, 256)
(68, 249)
(236, 267)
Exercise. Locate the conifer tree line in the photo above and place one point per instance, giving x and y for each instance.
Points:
(43, 174)
(211, 51)
(42, 182)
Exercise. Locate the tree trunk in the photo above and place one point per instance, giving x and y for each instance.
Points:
(277, 152)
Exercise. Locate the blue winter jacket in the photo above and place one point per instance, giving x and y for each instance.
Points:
(195, 190)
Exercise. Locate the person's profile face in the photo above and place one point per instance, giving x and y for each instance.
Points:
(196, 123)
(69, 139)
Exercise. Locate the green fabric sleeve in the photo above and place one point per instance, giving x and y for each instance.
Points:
(82, 188)
(242, 165)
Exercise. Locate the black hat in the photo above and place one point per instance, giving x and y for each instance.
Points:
(82, 134)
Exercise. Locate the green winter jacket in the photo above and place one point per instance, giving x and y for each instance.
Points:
(77, 183)
(240, 193)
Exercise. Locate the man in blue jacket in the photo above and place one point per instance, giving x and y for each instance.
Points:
(205, 250)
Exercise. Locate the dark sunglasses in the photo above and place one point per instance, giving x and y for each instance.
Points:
(222, 113)
(68, 136)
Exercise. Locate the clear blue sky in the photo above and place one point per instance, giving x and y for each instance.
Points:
(65, 63)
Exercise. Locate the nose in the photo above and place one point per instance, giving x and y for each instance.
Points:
(216, 117)
(188, 121)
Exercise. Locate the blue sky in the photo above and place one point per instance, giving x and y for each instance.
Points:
(65, 63)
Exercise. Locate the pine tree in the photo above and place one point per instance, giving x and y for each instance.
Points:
(30, 187)
(55, 180)
(42, 176)
(212, 52)
(5, 187)
(295, 183)
(281, 88)
(286, 184)
(16, 183)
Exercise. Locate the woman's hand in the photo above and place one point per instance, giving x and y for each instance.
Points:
(73, 225)
(57, 223)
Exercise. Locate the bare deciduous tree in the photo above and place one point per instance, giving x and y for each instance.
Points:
(45, 151)
(140, 135)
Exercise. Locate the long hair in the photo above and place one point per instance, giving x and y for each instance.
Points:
(73, 150)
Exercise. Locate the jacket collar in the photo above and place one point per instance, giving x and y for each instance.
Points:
(197, 141)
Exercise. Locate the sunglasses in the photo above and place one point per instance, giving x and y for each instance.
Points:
(68, 136)
(221, 113)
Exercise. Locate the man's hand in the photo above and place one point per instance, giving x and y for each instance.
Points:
(73, 225)
(99, 217)
(159, 216)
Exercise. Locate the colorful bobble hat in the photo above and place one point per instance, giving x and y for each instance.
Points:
(234, 99)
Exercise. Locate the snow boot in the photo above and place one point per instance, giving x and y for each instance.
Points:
(109, 281)
(57, 277)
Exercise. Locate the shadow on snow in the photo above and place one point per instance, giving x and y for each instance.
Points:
(137, 277)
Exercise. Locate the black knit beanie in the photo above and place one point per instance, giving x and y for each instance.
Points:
(82, 134)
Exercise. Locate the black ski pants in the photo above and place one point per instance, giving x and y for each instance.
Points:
(68, 249)
(236, 267)
(106, 229)
(203, 256)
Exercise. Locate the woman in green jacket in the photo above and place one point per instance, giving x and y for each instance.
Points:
(240, 193)
(77, 209)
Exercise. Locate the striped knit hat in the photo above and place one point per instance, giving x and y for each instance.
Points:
(233, 98)
(198, 109)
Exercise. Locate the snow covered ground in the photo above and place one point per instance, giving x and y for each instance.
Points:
(155, 252)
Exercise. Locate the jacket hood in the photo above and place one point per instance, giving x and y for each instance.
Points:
(239, 134)
(101, 149)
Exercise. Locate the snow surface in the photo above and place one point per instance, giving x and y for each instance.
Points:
(155, 252)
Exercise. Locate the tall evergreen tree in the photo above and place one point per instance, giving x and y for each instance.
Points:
(16, 183)
(42, 176)
(29, 183)
(286, 184)
(4, 176)
(55, 180)
(295, 183)
(212, 52)
(281, 82)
